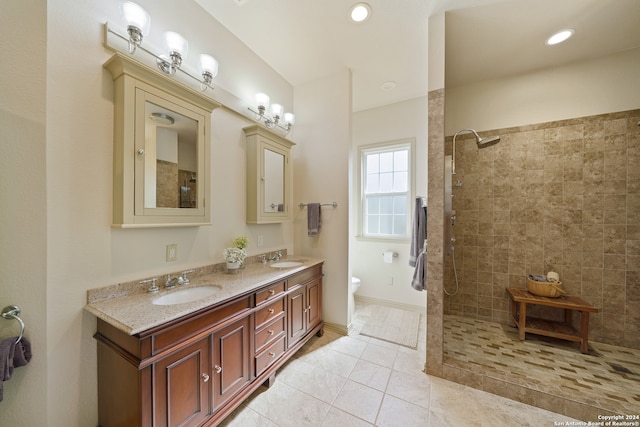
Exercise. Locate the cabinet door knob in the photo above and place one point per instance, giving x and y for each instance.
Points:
(271, 354)
(205, 377)
(305, 310)
(218, 369)
(271, 311)
(272, 292)
(270, 332)
(309, 308)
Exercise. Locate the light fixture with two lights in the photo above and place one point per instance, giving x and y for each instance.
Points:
(138, 23)
(276, 118)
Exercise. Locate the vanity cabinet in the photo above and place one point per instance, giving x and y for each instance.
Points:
(268, 176)
(231, 361)
(305, 309)
(197, 369)
(181, 386)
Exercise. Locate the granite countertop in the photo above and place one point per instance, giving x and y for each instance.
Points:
(133, 312)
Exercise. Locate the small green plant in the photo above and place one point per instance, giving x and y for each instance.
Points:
(240, 242)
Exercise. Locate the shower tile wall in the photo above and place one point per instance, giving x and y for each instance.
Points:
(561, 196)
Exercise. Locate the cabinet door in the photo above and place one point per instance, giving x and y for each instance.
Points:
(314, 302)
(231, 360)
(181, 386)
(297, 314)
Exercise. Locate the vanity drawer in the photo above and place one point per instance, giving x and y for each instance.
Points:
(270, 355)
(271, 332)
(270, 293)
(269, 312)
(166, 337)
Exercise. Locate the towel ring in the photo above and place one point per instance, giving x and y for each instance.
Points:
(13, 312)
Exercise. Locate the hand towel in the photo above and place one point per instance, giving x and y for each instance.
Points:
(313, 219)
(419, 281)
(419, 233)
(12, 354)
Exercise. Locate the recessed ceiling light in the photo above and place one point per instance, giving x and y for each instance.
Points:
(559, 37)
(360, 12)
(388, 85)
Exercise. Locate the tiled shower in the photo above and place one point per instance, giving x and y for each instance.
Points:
(559, 196)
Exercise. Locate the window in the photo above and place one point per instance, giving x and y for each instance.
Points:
(386, 190)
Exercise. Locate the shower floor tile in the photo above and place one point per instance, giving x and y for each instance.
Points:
(608, 377)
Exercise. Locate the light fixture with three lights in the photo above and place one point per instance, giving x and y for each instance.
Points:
(138, 24)
(276, 118)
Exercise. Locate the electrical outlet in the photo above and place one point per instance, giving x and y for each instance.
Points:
(172, 252)
(260, 239)
(390, 282)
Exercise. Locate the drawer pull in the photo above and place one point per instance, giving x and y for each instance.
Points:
(270, 332)
(205, 377)
(271, 311)
(271, 353)
(272, 292)
(218, 369)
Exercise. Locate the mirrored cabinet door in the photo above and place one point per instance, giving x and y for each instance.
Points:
(161, 149)
(268, 176)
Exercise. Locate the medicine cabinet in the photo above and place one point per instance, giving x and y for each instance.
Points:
(161, 154)
(268, 176)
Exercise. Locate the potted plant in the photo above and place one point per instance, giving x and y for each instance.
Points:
(235, 255)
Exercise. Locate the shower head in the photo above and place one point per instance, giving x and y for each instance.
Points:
(487, 141)
(481, 143)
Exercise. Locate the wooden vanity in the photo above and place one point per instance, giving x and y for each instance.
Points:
(196, 369)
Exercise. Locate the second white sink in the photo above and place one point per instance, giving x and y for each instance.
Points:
(286, 264)
(186, 295)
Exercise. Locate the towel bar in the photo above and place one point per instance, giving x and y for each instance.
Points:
(13, 312)
(332, 204)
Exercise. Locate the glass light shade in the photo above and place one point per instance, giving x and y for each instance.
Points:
(136, 17)
(176, 43)
(277, 110)
(262, 100)
(289, 119)
(209, 64)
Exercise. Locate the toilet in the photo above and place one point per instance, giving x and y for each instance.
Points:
(355, 284)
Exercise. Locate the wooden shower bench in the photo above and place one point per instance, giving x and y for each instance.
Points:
(563, 330)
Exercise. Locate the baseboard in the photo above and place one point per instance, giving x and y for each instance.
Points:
(409, 307)
(334, 327)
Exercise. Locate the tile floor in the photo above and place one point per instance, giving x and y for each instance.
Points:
(607, 378)
(353, 381)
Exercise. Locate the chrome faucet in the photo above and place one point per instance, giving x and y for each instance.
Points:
(171, 283)
(183, 279)
(276, 256)
(154, 288)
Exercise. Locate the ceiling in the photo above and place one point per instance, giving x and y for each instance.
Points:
(307, 39)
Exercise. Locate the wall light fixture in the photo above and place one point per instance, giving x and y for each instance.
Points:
(276, 119)
(138, 23)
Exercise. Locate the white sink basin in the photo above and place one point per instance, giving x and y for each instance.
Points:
(286, 264)
(186, 295)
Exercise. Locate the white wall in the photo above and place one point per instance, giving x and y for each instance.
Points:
(321, 162)
(391, 282)
(586, 88)
(23, 210)
(56, 188)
